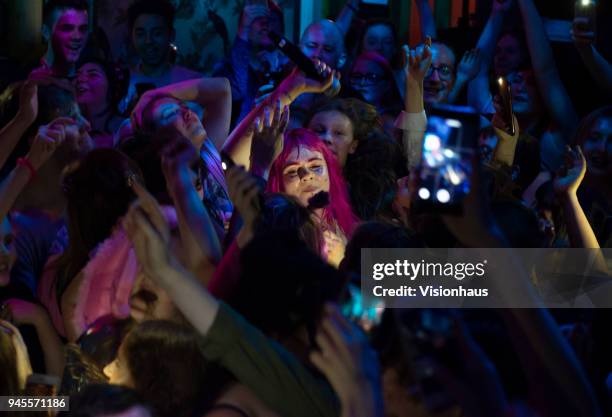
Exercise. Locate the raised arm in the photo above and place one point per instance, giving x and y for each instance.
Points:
(238, 144)
(551, 88)
(346, 15)
(11, 134)
(275, 375)
(214, 94)
(466, 71)
(428, 24)
(566, 185)
(479, 95)
(553, 371)
(413, 120)
(49, 137)
(584, 39)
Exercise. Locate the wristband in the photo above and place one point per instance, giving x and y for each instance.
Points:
(25, 162)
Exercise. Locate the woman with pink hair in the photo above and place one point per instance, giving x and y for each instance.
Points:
(304, 169)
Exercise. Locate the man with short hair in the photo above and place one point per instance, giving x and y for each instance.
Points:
(323, 40)
(151, 28)
(65, 29)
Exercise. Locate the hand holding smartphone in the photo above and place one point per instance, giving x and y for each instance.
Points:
(446, 160)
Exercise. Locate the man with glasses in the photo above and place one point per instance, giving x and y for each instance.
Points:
(440, 78)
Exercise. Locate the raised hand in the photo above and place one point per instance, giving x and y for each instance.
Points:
(417, 62)
(333, 248)
(568, 179)
(350, 365)
(48, 139)
(298, 83)
(469, 66)
(268, 136)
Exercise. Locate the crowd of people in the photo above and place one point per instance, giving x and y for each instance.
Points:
(173, 244)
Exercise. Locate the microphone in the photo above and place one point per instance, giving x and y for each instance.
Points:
(304, 63)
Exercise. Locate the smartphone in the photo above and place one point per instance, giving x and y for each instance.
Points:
(40, 385)
(586, 9)
(447, 159)
(505, 92)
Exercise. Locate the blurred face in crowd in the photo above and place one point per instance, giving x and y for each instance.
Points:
(305, 174)
(441, 76)
(170, 112)
(151, 38)
(507, 55)
(379, 39)
(69, 35)
(8, 252)
(91, 85)
(258, 32)
(323, 41)
(371, 80)
(118, 372)
(336, 130)
(526, 100)
(597, 148)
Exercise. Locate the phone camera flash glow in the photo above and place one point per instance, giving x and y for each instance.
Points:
(443, 196)
(424, 194)
(432, 142)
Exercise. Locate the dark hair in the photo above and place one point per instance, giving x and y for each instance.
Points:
(99, 400)
(362, 115)
(162, 8)
(284, 213)
(377, 234)
(518, 223)
(371, 173)
(584, 128)
(145, 150)
(53, 6)
(169, 370)
(293, 283)
(97, 194)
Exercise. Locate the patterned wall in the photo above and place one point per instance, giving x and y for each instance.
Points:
(198, 39)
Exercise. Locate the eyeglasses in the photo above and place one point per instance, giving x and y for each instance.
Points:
(370, 78)
(444, 71)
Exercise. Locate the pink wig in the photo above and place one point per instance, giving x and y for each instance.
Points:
(339, 210)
